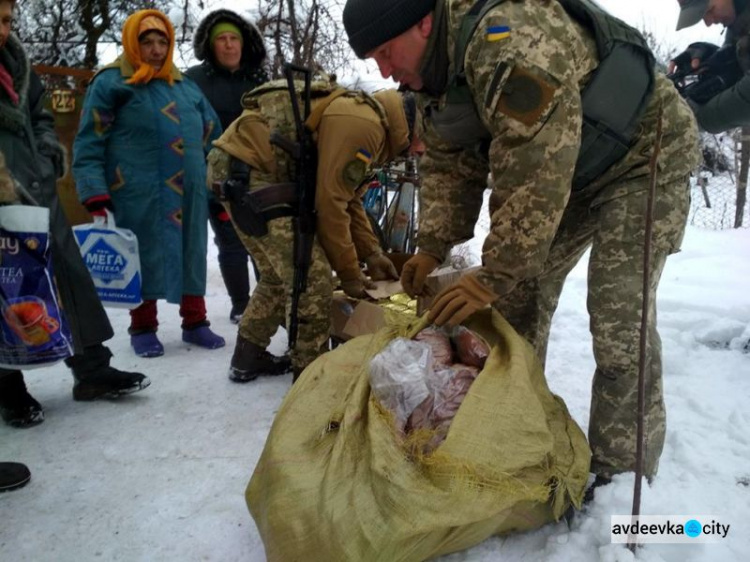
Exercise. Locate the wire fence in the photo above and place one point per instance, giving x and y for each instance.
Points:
(719, 186)
(714, 202)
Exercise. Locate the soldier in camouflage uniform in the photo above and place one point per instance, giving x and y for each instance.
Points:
(354, 133)
(729, 108)
(526, 66)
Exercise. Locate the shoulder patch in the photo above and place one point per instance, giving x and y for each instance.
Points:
(525, 96)
(364, 155)
(354, 172)
(497, 32)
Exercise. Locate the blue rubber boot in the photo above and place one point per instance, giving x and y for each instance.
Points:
(146, 344)
(202, 336)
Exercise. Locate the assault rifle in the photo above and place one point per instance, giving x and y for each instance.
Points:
(719, 71)
(305, 155)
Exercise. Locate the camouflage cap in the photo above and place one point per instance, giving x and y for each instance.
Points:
(691, 12)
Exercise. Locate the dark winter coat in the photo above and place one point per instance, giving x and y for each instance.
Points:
(145, 146)
(36, 159)
(731, 108)
(223, 88)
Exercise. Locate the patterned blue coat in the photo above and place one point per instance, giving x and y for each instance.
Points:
(145, 145)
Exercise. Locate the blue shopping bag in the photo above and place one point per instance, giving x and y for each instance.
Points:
(33, 329)
(111, 256)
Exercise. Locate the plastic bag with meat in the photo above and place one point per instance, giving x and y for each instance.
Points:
(471, 349)
(440, 343)
(452, 394)
(398, 377)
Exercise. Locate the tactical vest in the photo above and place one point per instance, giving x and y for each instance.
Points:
(613, 101)
(271, 100)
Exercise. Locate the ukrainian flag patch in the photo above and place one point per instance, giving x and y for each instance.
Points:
(497, 32)
(363, 155)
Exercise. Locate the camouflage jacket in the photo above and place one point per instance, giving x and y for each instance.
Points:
(535, 139)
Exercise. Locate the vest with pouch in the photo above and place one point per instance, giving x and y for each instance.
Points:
(613, 101)
(272, 101)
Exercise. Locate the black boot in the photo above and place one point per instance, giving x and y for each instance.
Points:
(17, 407)
(237, 282)
(13, 475)
(238, 309)
(95, 378)
(251, 361)
(588, 496)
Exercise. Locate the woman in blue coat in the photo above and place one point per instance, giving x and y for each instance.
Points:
(140, 152)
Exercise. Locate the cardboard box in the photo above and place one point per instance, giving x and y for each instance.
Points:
(351, 317)
(437, 281)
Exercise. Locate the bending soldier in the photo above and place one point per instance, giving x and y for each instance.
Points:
(559, 102)
(354, 133)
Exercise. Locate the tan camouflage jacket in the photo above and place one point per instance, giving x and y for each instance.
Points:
(535, 139)
(351, 141)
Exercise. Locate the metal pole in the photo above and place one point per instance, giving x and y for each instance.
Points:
(645, 305)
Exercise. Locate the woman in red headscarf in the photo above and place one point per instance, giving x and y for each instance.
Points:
(140, 152)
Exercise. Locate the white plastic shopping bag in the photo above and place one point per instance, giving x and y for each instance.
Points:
(111, 256)
(33, 329)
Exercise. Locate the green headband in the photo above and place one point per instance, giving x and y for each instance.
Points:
(223, 27)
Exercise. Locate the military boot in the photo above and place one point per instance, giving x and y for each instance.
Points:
(598, 482)
(251, 361)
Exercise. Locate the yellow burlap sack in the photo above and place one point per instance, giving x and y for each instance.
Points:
(334, 483)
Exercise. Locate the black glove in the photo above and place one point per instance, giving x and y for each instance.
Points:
(716, 74)
(98, 205)
(701, 51)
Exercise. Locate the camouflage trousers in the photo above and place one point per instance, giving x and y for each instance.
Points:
(271, 301)
(615, 232)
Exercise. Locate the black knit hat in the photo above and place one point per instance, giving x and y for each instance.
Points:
(370, 23)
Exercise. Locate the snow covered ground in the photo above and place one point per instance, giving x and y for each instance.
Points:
(161, 475)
